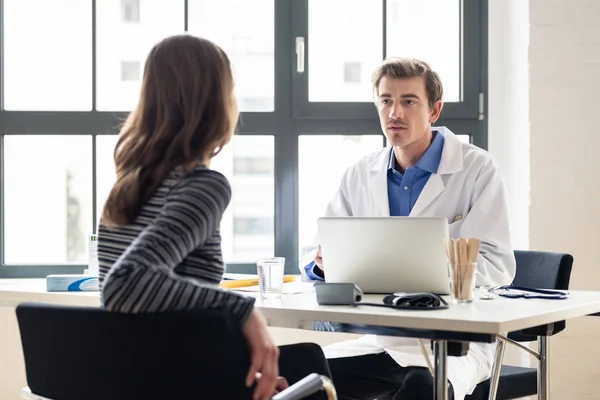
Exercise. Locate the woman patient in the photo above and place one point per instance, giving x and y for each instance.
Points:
(159, 241)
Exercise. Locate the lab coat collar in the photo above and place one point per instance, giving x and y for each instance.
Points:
(451, 162)
(452, 157)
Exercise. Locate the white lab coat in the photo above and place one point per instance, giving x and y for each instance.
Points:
(468, 184)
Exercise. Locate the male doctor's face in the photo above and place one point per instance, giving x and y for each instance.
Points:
(404, 110)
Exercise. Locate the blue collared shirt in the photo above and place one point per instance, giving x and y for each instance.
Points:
(405, 189)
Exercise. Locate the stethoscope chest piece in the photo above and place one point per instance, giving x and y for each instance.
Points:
(488, 296)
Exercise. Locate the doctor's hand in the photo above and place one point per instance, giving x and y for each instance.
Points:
(264, 357)
(319, 259)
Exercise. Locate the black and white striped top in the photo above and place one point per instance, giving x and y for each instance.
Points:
(169, 258)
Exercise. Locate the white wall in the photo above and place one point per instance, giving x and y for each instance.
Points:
(508, 100)
(508, 118)
(564, 70)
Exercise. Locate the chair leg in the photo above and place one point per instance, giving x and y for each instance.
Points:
(543, 367)
(496, 368)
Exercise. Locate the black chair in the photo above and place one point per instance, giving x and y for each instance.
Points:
(540, 270)
(80, 353)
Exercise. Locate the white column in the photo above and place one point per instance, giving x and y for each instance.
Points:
(508, 105)
(508, 119)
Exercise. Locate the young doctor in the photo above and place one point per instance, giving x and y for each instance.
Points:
(424, 172)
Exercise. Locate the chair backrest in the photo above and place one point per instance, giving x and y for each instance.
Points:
(542, 270)
(88, 353)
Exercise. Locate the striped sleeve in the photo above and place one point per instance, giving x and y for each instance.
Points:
(143, 280)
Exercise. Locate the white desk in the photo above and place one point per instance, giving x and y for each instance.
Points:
(482, 316)
(479, 321)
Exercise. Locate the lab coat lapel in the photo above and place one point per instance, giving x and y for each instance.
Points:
(377, 170)
(433, 188)
(451, 162)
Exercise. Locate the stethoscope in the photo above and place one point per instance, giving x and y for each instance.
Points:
(519, 292)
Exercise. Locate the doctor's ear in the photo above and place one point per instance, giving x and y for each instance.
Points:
(435, 111)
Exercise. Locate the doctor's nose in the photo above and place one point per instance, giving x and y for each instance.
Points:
(396, 112)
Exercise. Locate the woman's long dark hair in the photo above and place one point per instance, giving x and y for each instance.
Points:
(186, 113)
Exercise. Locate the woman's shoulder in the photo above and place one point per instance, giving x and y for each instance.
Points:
(201, 180)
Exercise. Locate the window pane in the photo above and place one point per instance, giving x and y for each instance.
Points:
(343, 55)
(126, 31)
(48, 204)
(47, 55)
(245, 31)
(247, 228)
(318, 185)
(105, 169)
(441, 47)
(464, 138)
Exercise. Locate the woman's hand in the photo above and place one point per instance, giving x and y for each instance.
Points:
(264, 357)
(282, 384)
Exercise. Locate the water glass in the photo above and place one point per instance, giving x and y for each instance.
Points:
(462, 281)
(270, 277)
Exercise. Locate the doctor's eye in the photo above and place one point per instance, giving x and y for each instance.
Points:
(386, 101)
(409, 102)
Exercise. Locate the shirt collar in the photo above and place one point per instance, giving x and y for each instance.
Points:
(430, 160)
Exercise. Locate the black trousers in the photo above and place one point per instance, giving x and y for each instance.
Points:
(378, 376)
(296, 361)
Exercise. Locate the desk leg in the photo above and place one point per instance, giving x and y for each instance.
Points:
(440, 384)
(496, 369)
(543, 368)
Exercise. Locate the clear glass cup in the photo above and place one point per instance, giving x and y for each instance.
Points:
(270, 277)
(462, 282)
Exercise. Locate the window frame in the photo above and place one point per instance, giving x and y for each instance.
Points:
(289, 119)
(471, 51)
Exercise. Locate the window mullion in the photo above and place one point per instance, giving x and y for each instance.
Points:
(94, 186)
(186, 18)
(2, 236)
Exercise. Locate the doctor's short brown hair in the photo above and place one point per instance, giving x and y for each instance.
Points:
(397, 67)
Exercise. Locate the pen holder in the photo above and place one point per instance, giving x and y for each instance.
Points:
(462, 281)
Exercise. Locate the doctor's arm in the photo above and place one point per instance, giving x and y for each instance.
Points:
(339, 206)
(488, 220)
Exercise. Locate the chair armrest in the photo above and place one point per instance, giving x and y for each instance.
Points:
(307, 386)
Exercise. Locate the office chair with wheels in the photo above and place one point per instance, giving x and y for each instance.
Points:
(540, 270)
(84, 353)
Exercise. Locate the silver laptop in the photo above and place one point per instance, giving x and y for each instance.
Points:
(386, 254)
